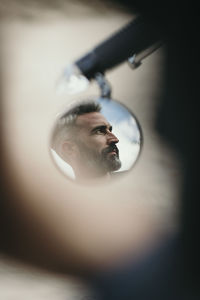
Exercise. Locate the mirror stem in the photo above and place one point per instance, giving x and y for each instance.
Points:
(104, 85)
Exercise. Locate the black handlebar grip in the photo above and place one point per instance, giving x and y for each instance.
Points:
(131, 39)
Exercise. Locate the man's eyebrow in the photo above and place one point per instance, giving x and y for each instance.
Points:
(98, 127)
(102, 127)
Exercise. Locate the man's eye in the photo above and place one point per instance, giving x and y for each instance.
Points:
(99, 131)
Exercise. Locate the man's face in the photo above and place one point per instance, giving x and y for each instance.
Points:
(97, 143)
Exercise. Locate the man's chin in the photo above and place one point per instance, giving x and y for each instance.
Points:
(114, 164)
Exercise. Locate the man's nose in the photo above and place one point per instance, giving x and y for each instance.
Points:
(112, 138)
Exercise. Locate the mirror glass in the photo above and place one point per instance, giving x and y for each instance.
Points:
(95, 140)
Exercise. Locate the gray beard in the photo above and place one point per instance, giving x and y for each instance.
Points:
(112, 163)
(101, 162)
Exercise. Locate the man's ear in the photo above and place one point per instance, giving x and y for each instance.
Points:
(68, 150)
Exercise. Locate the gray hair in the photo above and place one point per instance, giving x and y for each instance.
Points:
(67, 122)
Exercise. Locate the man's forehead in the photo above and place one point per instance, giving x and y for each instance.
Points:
(91, 119)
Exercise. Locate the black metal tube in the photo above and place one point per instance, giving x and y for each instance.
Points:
(131, 39)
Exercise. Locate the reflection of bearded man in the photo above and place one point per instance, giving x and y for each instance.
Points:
(84, 139)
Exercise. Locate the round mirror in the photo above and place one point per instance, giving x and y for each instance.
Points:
(95, 140)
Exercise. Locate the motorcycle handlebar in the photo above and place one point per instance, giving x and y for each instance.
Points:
(131, 39)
